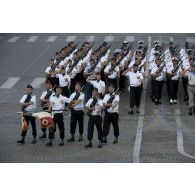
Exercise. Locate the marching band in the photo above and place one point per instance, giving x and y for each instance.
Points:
(90, 81)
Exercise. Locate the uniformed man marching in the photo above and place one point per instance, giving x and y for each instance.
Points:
(77, 114)
(158, 74)
(94, 108)
(28, 103)
(56, 106)
(96, 81)
(44, 100)
(111, 106)
(191, 86)
(136, 81)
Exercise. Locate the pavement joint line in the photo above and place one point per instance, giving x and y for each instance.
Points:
(171, 39)
(51, 38)
(109, 38)
(13, 39)
(37, 82)
(32, 39)
(138, 138)
(130, 38)
(179, 130)
(71, 38)
(90, 38)
(36, 59)
(190, 39)
(9, 83)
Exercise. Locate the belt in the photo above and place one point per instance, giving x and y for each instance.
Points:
(77, 109)
(191, 85)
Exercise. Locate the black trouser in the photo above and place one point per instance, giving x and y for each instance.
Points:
(76, 116)
(122, 82)
(65, 91)
(59, 120)
(152, 87)
(54, 81)
(97, 121)
(32, 121)
(72, 85)
(173, 89)
(108, 119)
(88, 91)
(168, 87)
(111, 82)
(135, 96)
(158, 89)
(185, 85)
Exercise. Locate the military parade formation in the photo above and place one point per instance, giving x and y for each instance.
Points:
(89, 81)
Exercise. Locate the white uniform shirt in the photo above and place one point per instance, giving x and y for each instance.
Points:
(161, 77)
(49, 68)
(44, 94)
(73, 73)
(114, 74)
(97, 68)
(98, 106)
(170, 68)
(100, 85)
(116, 99)
(31, 107)
(58, 103)
(79, 106)
(63, 79)
(134, 78)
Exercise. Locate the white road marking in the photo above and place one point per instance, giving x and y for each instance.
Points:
(36, 59)
(180, 146)
(13, 39)
(70, 38)
(138, 139)
(171, 39)
(90, 38)
(37, 82)
(9, 83)
(51, 38)
(190, 39)
(129, 38)
(109, 38)
(32, 39)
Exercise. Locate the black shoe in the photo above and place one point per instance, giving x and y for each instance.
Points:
(71, 139)
(100, 145)
(80, 138)
(104, 140)
(34, 141)
(156, 102)
(190, 111)
(186, 98)
(115, 140)
(159, 102)
(137, 110)
(49, 143)
(21, 141)
(43, 136)
(61, 143)
(130, 111)
(89, 145)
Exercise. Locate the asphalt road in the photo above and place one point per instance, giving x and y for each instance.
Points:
(167, 134)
